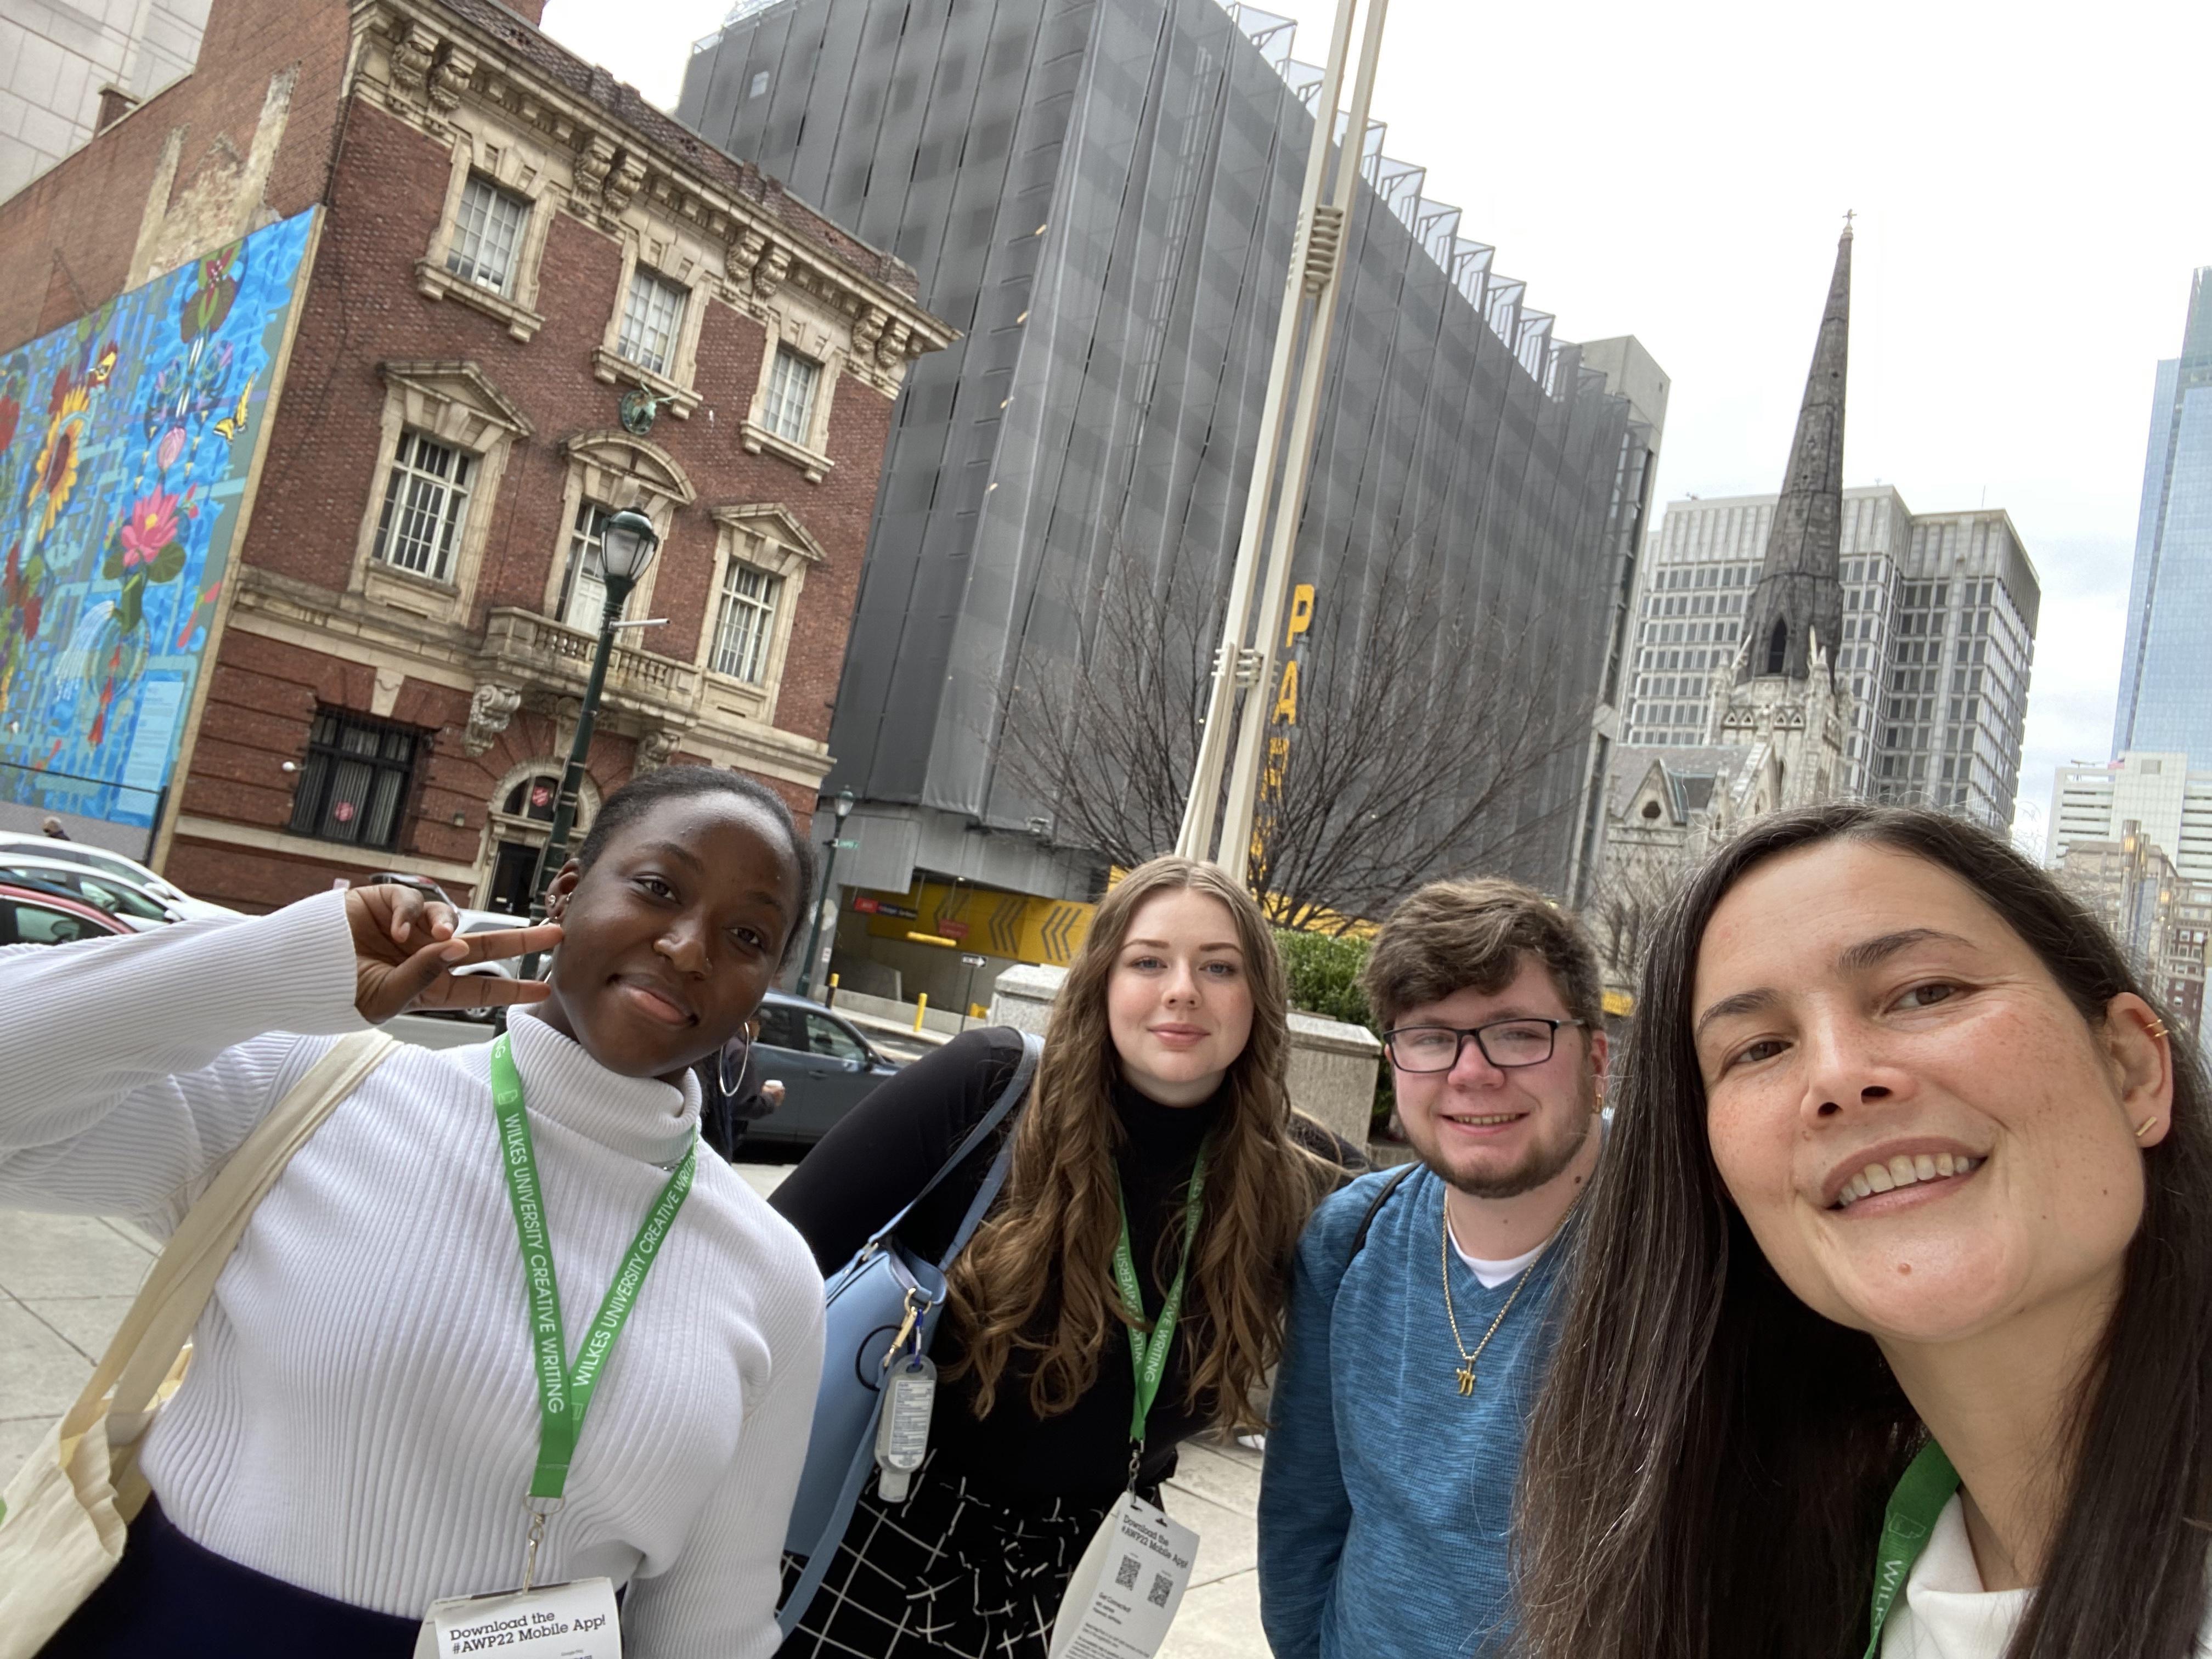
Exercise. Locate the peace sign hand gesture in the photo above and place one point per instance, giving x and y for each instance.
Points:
(404, 953)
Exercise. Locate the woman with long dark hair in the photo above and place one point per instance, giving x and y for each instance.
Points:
(380, 1412)
(1160, 1118)
(1891, 1331)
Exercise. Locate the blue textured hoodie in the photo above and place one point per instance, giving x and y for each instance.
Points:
(1386, 1497)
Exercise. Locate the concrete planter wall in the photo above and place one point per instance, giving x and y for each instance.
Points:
(1332, 1064)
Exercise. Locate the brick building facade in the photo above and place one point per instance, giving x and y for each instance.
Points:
(515, 253)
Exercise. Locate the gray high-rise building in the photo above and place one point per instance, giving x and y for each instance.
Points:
(2165, 663)
(1936, 639)
(1100, 195)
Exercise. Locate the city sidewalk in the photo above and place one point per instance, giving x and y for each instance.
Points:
(66, 1280)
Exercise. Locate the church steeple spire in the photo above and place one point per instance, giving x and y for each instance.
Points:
(1799, 593)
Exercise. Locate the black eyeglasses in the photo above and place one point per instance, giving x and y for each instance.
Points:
(1505, 1044)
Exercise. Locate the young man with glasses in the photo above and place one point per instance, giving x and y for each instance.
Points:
(1420, 1325)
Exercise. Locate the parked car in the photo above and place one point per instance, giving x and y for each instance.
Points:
(487, 921)
(126, 900)
(826, 1067)
(422, 884)
(30, 915)
(14, 842)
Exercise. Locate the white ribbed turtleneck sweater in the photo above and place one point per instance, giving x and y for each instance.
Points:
(361, 1419)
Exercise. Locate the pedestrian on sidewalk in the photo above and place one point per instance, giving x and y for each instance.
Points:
(1155, 1150)
(1420, 1313)
(369, 1426)
(736, 1093)
(1891, 1327)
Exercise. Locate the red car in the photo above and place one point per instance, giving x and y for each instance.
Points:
(33, 916)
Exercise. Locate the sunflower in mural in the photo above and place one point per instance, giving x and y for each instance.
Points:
(54, 475)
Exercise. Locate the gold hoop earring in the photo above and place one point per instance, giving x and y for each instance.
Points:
(2156, 1028)
(2145, 1127)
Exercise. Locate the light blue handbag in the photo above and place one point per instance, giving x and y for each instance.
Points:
(873, 1301)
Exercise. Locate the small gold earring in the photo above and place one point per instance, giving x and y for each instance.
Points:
(2145, 1127)
(2156, 1028)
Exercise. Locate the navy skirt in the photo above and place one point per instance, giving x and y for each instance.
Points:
(168, 1598)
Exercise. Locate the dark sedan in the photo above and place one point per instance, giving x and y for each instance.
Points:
(824, 1065)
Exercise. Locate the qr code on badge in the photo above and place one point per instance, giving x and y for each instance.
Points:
(1126, 1574)
(1161, 1584)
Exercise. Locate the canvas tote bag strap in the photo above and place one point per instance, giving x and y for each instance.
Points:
(176, 1292)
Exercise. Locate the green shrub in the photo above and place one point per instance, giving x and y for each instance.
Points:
(1324, 974)
(1323, 970)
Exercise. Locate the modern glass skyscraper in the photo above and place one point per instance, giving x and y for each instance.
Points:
(1100, 195)
(2166, 670)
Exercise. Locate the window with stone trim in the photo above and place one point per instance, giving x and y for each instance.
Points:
(789, 411)
(488, 236)
(426, 504)
(584, 588)
(746, 627)
(653, 321)
(355, 784)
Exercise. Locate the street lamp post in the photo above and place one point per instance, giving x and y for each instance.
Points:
(829, 899)
(627, 545)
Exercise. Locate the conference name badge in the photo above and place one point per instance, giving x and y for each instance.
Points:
(575, 1621)
(1126, 1589)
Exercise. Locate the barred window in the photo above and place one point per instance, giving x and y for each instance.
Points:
(584, 588)
(355, 784)
(747, 624)
(653, 316)
(425, 505)
(487, 233)
(790, 411)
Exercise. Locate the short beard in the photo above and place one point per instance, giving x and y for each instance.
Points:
(1539, 1171)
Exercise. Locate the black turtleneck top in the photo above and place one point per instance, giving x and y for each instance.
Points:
(884, 1151)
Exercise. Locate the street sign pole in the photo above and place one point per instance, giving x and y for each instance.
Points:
(968, 997)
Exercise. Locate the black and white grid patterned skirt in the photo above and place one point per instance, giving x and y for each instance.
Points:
(945, 1572)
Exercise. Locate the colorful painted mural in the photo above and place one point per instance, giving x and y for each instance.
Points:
(126, 446)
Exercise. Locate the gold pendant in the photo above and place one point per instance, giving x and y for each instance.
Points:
(1467, 1378)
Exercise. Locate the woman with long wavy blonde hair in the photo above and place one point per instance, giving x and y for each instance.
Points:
(1168, 1045)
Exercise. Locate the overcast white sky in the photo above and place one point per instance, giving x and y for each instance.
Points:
(2032, 194)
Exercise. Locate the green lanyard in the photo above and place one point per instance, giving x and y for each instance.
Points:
(1926, 1486)
(563, 1393)
(1149, 1354)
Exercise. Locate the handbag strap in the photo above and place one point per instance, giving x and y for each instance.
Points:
(169, 1303)
(863, 1454)
(1009, 1097)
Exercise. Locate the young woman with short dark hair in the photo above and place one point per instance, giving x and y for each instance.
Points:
(361, 1421)
(1891, 1330)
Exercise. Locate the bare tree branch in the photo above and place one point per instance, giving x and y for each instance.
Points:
(1422, 740)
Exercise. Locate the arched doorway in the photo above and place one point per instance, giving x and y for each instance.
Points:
(521, 819)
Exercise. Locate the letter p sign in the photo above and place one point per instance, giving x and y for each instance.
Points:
(1302, 609)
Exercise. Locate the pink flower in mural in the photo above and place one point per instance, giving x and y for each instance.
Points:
(150, 528)
(173, 445)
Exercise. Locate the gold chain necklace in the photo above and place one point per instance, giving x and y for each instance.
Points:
(1466, 1373)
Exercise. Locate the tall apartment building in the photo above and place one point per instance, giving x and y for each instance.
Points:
(1100, 195)
(2165, 663)
(2160, 791)
(69, 66)
(2161, 918)
(1938, 639)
